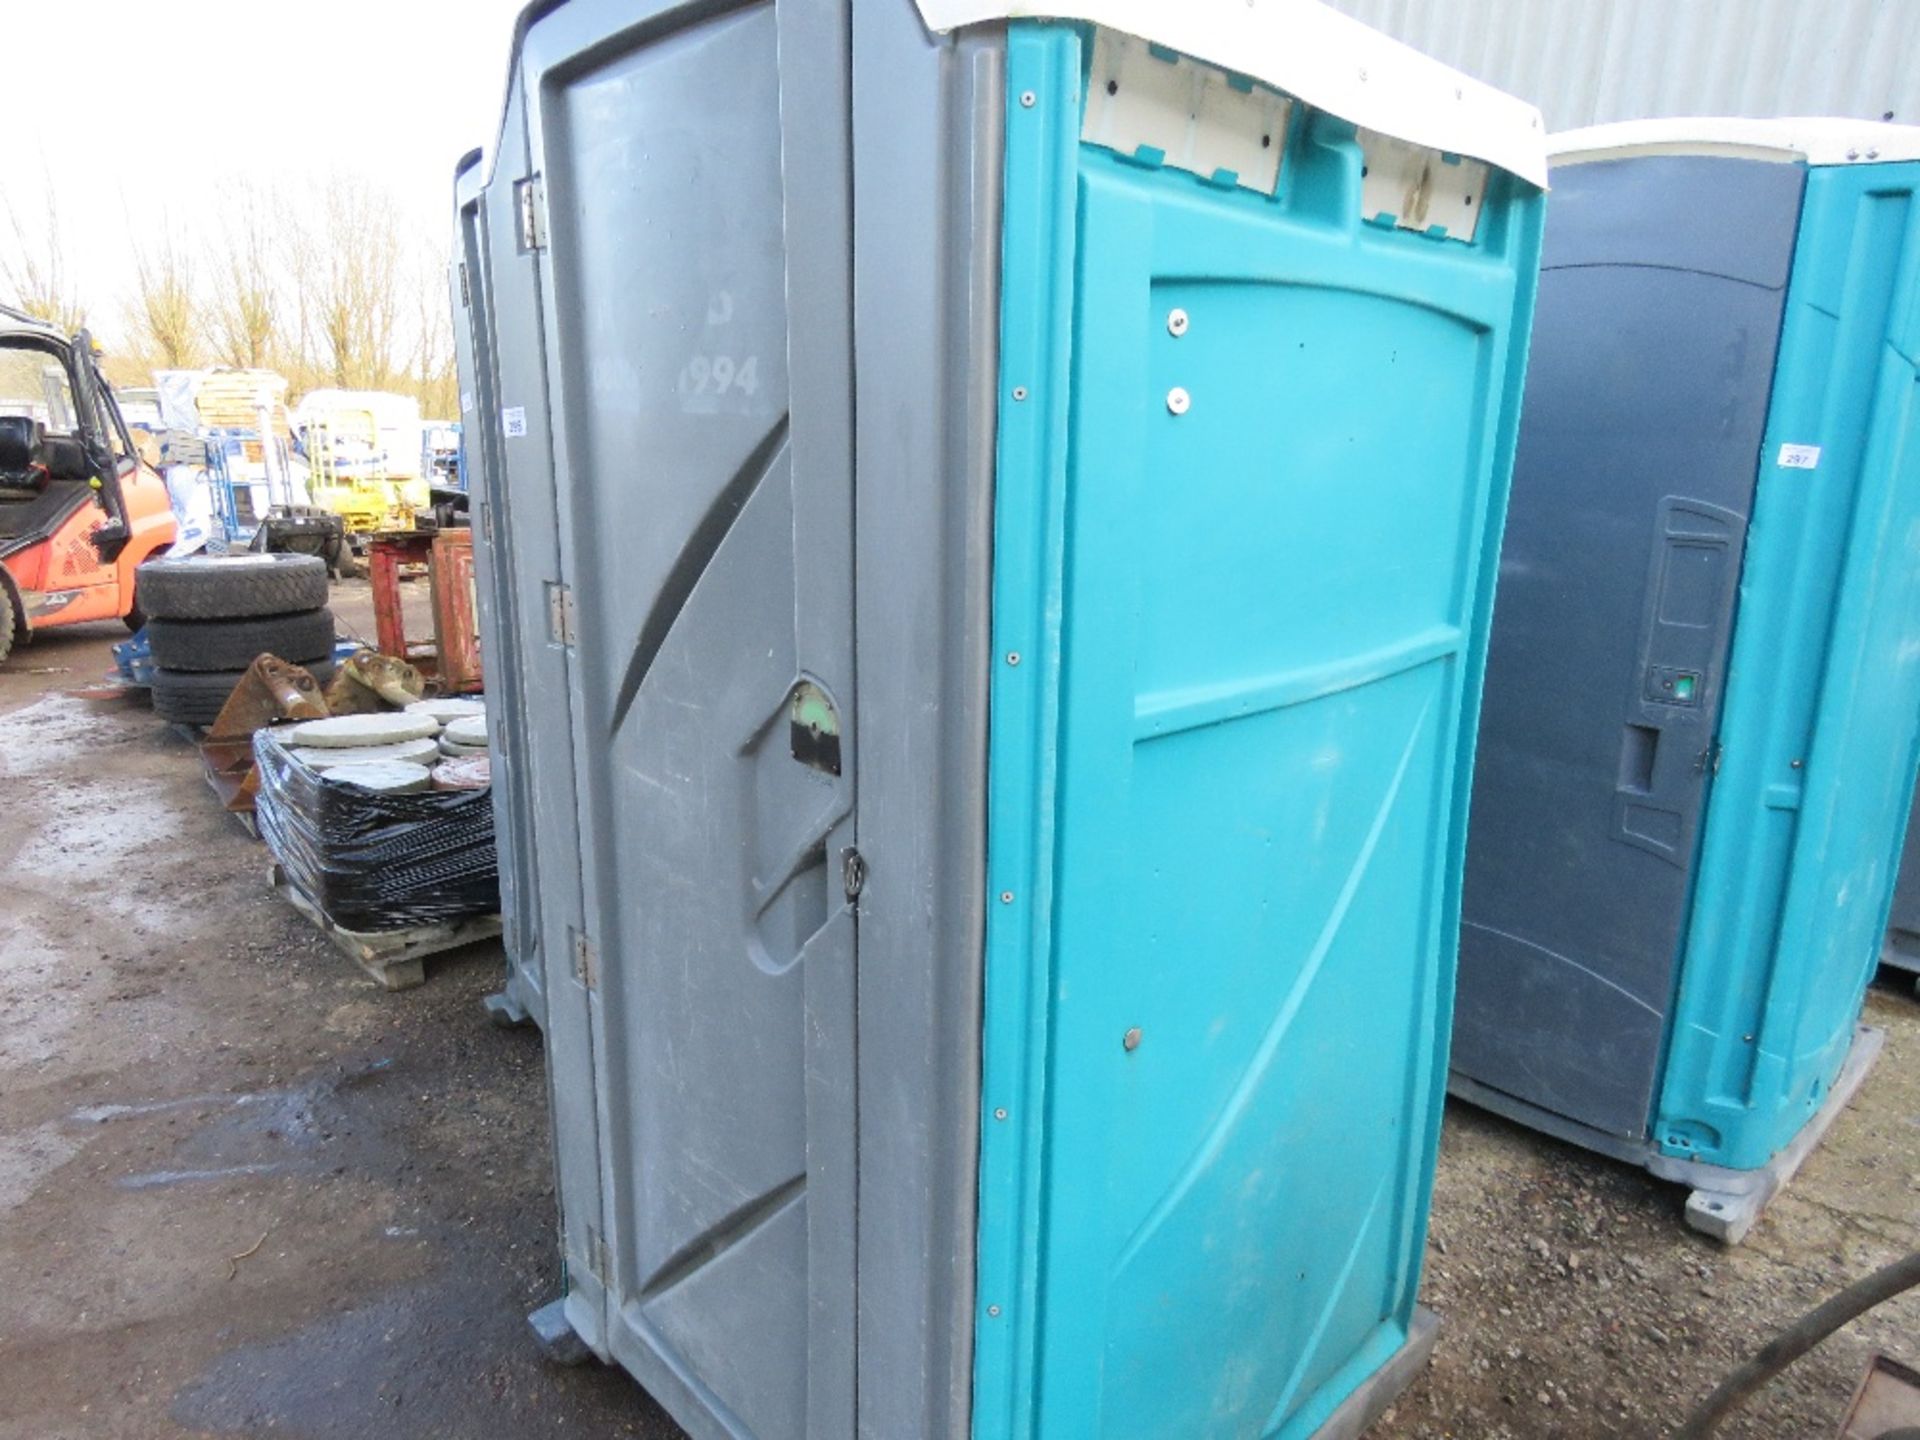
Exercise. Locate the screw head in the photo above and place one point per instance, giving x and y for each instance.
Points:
(1176, 321)
(1178, 400)
(1019, 392)
(1000, 1114)
(1006, 897)
(1131, 1040)
(1027, 98)
(993, 1310)
(1013, 657)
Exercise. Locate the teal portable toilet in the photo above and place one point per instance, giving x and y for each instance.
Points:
(1699, 739)
(995, 519)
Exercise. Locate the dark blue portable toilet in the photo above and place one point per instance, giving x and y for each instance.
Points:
(1902, 948)
(1703, 690)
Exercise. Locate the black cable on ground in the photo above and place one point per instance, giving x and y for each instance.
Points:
(1796, 1340)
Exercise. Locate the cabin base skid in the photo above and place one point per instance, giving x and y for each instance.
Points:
(505, 1010)
(555, 1335)
(1380, 1389)
(1725, 1203)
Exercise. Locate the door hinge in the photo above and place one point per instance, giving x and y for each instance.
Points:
(530, 201)
(466, 296)
(560, 612)
(1708, 762)
(853, 872)
(586, 961)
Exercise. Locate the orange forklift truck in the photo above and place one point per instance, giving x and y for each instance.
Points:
(79, 510)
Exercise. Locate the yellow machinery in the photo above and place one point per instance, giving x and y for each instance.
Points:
(347, 474)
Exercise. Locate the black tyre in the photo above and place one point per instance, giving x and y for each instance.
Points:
(232, 644)
(7, 621)
(232, 587)
(194, 697)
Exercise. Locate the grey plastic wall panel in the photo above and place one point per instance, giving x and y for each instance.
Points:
(502, 645)
(731, 1085)
(1647, 396)
(1588, 61)
(709, 893)
(1903, 923)
(927, 164)
(528, 480)
(816, 217)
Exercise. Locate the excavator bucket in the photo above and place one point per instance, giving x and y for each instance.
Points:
(272, 689)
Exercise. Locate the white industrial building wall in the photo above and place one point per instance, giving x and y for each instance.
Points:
(1587, 61)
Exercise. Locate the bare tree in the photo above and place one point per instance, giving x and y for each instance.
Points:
(433, 375)
(346, 272)
(243, 297)
(164, 317)
(34, 267)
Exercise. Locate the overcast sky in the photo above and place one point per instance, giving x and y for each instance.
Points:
(159, 102)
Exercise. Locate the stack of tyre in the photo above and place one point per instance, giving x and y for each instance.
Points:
(208, 617)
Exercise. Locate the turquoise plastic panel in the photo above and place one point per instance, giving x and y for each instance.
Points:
(1818, 737)
(1238, 665)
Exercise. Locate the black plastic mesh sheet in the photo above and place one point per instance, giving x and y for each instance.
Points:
(376, 862)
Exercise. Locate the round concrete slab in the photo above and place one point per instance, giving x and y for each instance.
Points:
(383, 777)
(469, 730)
(341, 731)
(466, 772)
(422, 751)
(447, 710)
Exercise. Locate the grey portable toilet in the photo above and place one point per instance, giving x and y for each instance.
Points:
(504, 635)
(1703, 697)
(1000, 517)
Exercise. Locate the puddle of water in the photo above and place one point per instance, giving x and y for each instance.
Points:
(53, 730)
(160, 1179)
(40, 1004)
(96, 833)
(27, 1159)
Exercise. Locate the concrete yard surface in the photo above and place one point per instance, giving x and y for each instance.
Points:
(245, 1192)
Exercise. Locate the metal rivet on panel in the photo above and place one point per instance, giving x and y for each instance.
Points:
(1873, 154)
(1013, 657)
(1178, 400)
(1853, 154)
(1177, 321)
(1131, 1040)
(993, 1309)
(1026, 99)
(1000, 1114)
(1019, 392)
(1006, 897)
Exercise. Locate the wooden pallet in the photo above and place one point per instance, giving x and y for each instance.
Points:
(395, 958)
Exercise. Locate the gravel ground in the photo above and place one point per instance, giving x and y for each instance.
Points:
(244, 1192)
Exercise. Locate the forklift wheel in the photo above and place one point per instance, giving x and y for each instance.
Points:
(7, 621)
